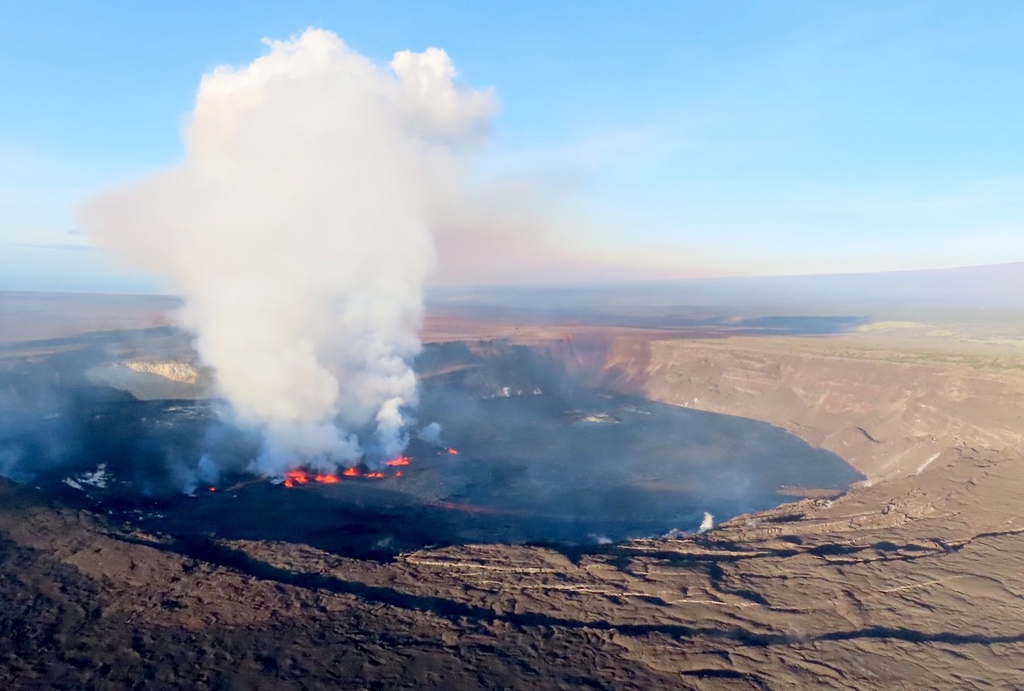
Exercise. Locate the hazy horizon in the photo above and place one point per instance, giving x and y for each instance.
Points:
(989, 287)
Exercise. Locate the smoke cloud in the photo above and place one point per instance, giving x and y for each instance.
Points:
(298, 230)
(431, 433)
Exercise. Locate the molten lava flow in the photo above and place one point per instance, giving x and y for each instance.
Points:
(300, 477)
(295, 477)
(453, 452)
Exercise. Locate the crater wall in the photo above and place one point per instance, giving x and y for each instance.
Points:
(887, 416)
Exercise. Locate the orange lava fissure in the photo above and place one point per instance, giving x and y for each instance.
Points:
(293, 478)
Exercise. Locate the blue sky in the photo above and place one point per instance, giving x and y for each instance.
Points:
(683, 138)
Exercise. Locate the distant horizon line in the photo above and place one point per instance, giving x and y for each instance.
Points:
(591, 284)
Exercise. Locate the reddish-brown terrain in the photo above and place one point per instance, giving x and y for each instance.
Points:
(911, 580)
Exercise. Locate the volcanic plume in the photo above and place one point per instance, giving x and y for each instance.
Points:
(297, 228)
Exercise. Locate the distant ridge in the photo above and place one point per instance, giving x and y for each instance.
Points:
(990, 287)
(987, 287)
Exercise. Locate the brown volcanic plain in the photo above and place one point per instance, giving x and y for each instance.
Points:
(912, 579)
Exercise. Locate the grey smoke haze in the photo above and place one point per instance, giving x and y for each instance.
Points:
(431, 433)
(298, 230)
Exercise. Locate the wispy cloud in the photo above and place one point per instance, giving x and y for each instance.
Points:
(595, 149)
(60, 246)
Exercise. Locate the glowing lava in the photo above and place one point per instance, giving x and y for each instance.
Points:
(453, 452)
(301, 477)
(295, 477)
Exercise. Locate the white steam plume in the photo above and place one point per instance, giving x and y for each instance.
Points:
(297, 228)
(707, 523)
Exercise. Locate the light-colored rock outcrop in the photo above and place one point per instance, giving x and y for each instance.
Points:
(175, 370)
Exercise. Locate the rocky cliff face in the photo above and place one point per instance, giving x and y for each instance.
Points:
(887, 416)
